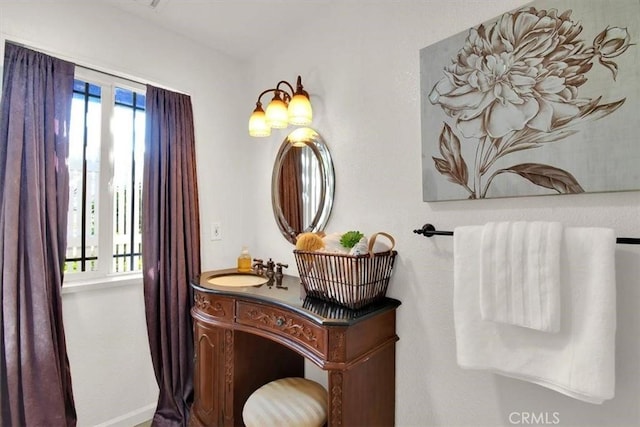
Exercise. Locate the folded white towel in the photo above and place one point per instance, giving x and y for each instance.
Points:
(520, 274)
(579, 360)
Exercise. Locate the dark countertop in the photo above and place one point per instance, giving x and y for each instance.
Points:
(293, 298)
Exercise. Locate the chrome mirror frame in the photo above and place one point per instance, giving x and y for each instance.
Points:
(326, 183)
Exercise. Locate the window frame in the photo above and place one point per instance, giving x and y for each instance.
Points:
(103, 273)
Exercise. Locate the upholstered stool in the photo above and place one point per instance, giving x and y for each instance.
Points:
(287, 402)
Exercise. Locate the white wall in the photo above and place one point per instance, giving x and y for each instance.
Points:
(360, 62)
(112, 377)
(106, 335)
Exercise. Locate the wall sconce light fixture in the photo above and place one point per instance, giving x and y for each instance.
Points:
(284, 109)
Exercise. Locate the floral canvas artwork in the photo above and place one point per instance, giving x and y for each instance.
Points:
(541, 100)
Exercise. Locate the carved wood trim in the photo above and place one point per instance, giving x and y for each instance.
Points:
(203, 303)
(337, 345)
(228, 374)
(285, 324)
(228, 359)
(335, 398)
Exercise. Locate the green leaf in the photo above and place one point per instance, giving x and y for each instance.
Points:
(350, 238)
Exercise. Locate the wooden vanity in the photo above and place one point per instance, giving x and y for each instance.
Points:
(246, 337)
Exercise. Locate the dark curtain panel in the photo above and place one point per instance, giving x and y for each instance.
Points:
(35, 381)
(170, 249)
(291, 189)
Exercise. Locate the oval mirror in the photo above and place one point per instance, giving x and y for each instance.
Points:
(302, 184)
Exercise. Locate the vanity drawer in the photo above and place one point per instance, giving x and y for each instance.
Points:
(288, 325)
(214, 306)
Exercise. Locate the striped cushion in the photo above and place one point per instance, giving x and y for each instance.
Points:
(287, 402)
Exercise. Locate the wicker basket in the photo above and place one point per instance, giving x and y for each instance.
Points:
(352, 281)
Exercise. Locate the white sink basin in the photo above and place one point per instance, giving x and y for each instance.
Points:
(237, 279)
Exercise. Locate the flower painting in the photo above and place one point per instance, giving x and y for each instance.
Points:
(541, 100)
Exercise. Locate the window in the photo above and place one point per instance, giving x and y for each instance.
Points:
(106, 149)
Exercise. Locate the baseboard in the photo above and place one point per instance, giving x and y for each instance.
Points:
(132, 418)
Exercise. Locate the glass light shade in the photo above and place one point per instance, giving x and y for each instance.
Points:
(258, 124)
(277, 114)
(300, 113)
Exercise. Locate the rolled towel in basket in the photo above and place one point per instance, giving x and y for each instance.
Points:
(332, 244)
(372, 245)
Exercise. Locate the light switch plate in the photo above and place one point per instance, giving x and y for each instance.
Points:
(216, 231)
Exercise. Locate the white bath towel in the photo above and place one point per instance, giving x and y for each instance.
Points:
(520, 274)
(577, 361)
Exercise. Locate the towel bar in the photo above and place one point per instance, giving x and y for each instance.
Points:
(429, 230)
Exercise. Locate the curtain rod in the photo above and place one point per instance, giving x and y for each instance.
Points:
(51, 52)
(429, 230)
(107, 73)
